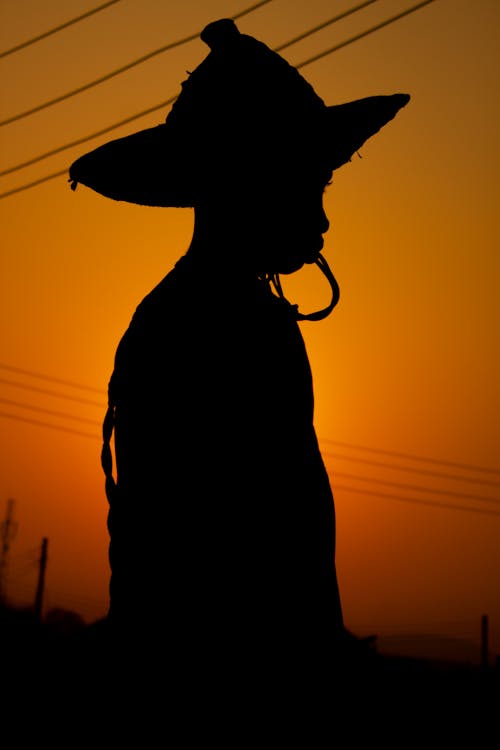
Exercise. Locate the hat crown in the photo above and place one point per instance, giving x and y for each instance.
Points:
(242, 92)
(220, 34)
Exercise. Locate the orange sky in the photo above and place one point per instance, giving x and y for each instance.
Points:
(408, 362)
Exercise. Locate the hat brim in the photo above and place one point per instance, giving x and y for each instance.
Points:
(142, 168)
(350, 125)
(151, 168)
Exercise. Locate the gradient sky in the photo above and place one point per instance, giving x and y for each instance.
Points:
(407, 363)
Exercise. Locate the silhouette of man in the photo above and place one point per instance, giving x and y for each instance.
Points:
(221, 518)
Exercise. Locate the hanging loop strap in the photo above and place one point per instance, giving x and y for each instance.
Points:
(319, 314)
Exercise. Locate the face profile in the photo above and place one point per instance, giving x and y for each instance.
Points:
(300, 224)
(278, 225)
(293, 229)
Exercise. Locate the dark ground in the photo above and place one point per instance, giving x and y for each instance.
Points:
(62, 675)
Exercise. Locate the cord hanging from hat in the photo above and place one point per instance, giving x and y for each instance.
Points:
(274, 280)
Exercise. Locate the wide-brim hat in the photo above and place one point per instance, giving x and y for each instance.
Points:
(243, 109)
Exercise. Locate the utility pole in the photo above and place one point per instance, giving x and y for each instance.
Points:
(41, 579)
(8, 530)
(484, 643)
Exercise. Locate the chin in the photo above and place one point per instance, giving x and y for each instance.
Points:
(292, 255)
(290, 267)
(301, 258)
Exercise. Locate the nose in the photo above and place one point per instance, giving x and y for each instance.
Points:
(324, 223)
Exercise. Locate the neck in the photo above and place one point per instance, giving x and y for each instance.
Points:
(218, 241)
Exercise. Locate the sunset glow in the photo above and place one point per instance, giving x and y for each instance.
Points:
(406, 364)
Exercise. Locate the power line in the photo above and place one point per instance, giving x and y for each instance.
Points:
(56, 29)
(137, 116)
(400, 498)
(418, 488)
(364, 33)
(413, 470)
(48, 392)
(118, 71)
(324, 25)
(78, 141)
(413, 457)
(49, 378)
(39, 423)
(51, 412)
(29, 185)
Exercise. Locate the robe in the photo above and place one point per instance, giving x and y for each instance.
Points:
(221, 519)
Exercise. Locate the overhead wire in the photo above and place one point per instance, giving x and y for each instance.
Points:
(49, 378)
(29, 185)
(48, 392)
(414, 470)
(143, 113)
(122, 69)
(413, 457)
(50, 412)
(86, 138)
(324, 25)
(56, 29)
(40, 423)
(418, 488)
(400, 498)
(362, 34)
